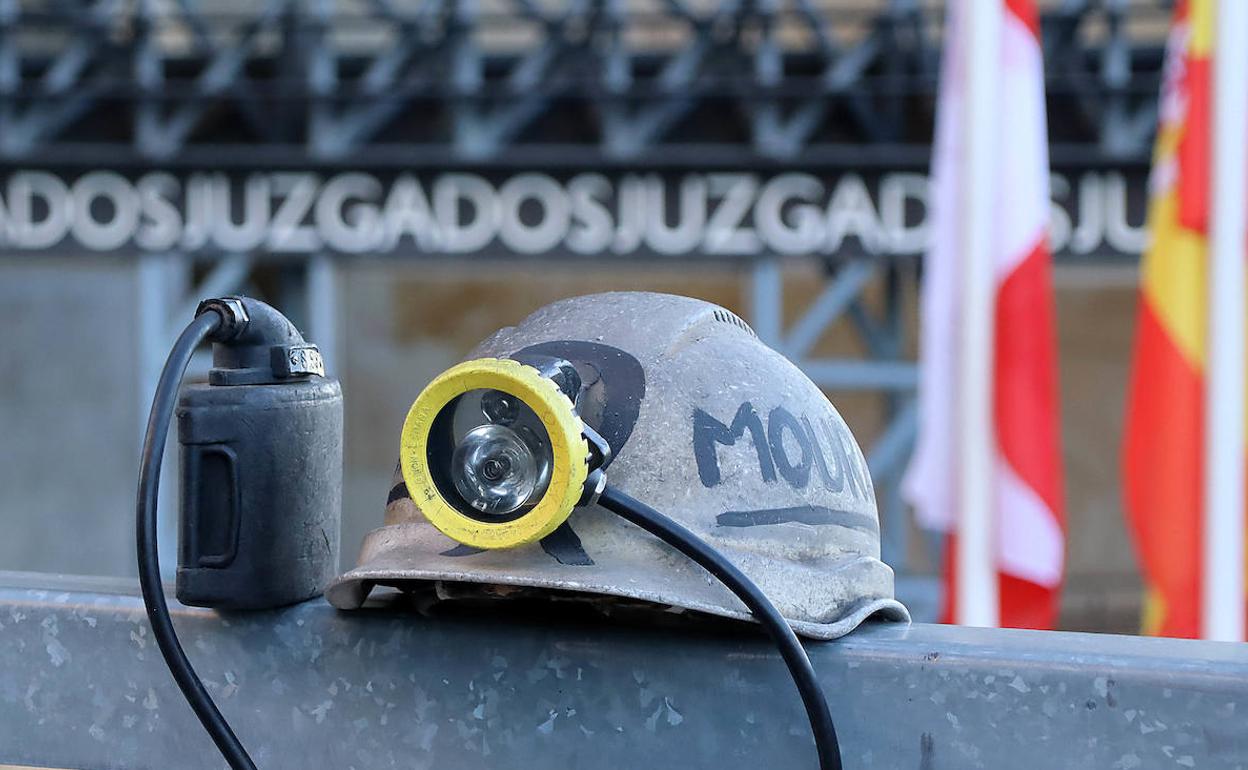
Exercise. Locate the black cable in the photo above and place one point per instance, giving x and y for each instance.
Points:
(715, 562)
(149, 562)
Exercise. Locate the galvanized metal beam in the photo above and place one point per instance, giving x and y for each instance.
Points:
(84, 686)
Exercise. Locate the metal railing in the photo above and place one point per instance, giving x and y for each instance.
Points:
(517, 82)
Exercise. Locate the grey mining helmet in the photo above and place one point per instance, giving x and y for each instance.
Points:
(680, 404)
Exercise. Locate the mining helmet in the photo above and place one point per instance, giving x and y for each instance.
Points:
(681, 405)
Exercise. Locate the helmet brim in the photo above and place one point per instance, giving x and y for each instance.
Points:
(402, 554)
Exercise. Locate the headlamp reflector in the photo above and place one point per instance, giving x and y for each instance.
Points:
(496, 471)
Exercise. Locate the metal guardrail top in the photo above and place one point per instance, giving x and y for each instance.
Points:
(82, 685)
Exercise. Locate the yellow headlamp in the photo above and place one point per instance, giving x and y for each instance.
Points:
(494, 453)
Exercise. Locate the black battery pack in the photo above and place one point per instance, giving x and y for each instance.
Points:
(261, 472)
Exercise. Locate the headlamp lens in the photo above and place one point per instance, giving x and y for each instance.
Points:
(494, 469)
(490, 456)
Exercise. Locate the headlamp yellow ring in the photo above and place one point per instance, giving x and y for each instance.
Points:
(570, 454)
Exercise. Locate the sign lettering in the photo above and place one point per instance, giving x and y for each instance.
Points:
(646, 215)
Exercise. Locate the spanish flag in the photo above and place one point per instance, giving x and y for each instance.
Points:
(1163, 454)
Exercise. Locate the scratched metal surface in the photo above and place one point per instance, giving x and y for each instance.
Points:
(82, 686)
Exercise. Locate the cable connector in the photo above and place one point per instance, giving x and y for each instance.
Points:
(234, 318)
(599, 456)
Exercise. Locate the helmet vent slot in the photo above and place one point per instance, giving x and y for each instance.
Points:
(728, 317)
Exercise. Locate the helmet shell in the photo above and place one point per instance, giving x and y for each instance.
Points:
(709, 426)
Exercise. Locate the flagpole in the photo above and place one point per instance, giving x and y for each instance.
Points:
(1222, 606)
(977, 590)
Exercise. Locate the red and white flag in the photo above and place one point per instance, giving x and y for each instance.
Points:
(1027, 484)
